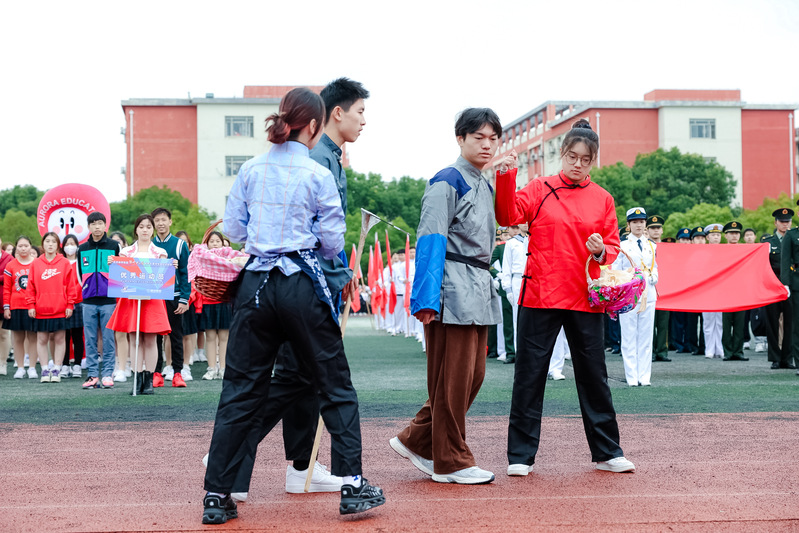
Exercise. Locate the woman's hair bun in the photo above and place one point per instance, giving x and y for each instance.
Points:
(582, 123)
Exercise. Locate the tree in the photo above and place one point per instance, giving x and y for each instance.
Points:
(24, 198)
(15, 223)
(124, 213)
(195, 222)
(698, 215)
(665, 182)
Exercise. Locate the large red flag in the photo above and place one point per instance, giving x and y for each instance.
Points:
(713, 278)
(392, 292)
(356, 274)
(407, 301)
(370, 275)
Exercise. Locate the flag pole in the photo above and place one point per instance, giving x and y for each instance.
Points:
(366, 224)
(136, 356)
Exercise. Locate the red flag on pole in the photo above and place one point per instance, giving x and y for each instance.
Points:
(381, 289)
(407, 302)
(392, 293)
(356, 274)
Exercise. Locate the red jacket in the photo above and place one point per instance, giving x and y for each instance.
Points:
(560, 224)
(15, 284)
(52, 287)
(5, 259)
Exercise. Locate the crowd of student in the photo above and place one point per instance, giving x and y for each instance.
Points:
(57, 311)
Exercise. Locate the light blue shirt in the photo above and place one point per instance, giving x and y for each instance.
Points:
(283, 201)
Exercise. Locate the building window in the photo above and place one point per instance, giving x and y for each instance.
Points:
(710, 160)
(238, 126)
(233, 162)
(703, 128)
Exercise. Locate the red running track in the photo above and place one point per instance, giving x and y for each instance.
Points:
(709, 472)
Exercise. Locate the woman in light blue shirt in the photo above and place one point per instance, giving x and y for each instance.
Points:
(286, 207)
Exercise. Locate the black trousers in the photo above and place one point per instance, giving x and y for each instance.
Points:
(538, 329)
(293, 398)
(266, 316)
(612, 334)
(660, 335)
(777, 353)
(732, 333)
(175, 338)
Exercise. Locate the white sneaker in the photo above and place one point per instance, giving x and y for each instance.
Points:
(84, 364)
(65, 371)
(556, 376)
(77, 371)
(27, 362)
(238, 496)
(128, 370)
(220, 374)
(168, 373)
(617, 464)
(425, 465)
(201, 357)
(20, 373)
(210, 374)
(3, 369)
(32, 373)
(519, 469)
(746, 346)
(321, 480)
(119, 376)
(186, 373)
(503, 358)
(473, 475)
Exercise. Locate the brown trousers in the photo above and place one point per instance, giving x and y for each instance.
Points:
(456, 363)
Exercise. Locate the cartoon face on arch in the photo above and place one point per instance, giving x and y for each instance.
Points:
(69, 220)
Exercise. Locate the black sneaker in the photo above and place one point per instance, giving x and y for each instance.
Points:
(360, 499)
(219, 509)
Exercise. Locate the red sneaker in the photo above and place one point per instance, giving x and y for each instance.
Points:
(177, 380)
(158, 379)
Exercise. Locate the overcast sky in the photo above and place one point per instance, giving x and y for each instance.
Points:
(68, 65)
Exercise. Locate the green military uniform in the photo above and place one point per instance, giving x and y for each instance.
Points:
(789, 275)
(660, 332)
(733, 324)
(507, 312)
(780, 356)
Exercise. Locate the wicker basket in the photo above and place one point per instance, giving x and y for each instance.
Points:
(215, 289)
(617, 299)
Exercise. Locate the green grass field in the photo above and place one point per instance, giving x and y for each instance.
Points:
(390, 376)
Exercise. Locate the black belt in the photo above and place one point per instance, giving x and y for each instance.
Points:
(458, 258)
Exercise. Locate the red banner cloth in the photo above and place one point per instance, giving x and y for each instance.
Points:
(716, 277)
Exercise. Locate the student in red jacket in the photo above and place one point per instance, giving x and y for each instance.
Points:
(15, 306)
(51, 297)
(570, 219)
(5, 336)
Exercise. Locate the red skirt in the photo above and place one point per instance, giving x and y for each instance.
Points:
(153, 317)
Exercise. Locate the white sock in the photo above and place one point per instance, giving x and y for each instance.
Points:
(355, 481)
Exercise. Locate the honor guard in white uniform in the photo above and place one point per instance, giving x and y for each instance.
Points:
(399, 282)
(711, 322)
(514, 260)
(637, 325)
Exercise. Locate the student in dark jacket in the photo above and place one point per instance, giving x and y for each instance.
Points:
(97, 306)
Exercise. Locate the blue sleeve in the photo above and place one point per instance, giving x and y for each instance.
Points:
(330, 222)
(430, 252)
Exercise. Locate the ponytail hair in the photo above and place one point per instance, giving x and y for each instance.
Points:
(581, 132)
(297, 109)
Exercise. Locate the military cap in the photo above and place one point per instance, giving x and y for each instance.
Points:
(732, 226)
(684, 233)
(783, 214)
(713, 228)
(636, 213)
(669, 240)
(654, 221)
(699, 230)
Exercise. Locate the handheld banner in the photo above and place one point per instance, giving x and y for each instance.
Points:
(132, 277)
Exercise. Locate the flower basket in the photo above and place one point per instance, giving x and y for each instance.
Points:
(616, 291)
(213, 270)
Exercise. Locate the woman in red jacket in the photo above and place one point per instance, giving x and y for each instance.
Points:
(15, 306)
(570, 218)
(51, 296)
